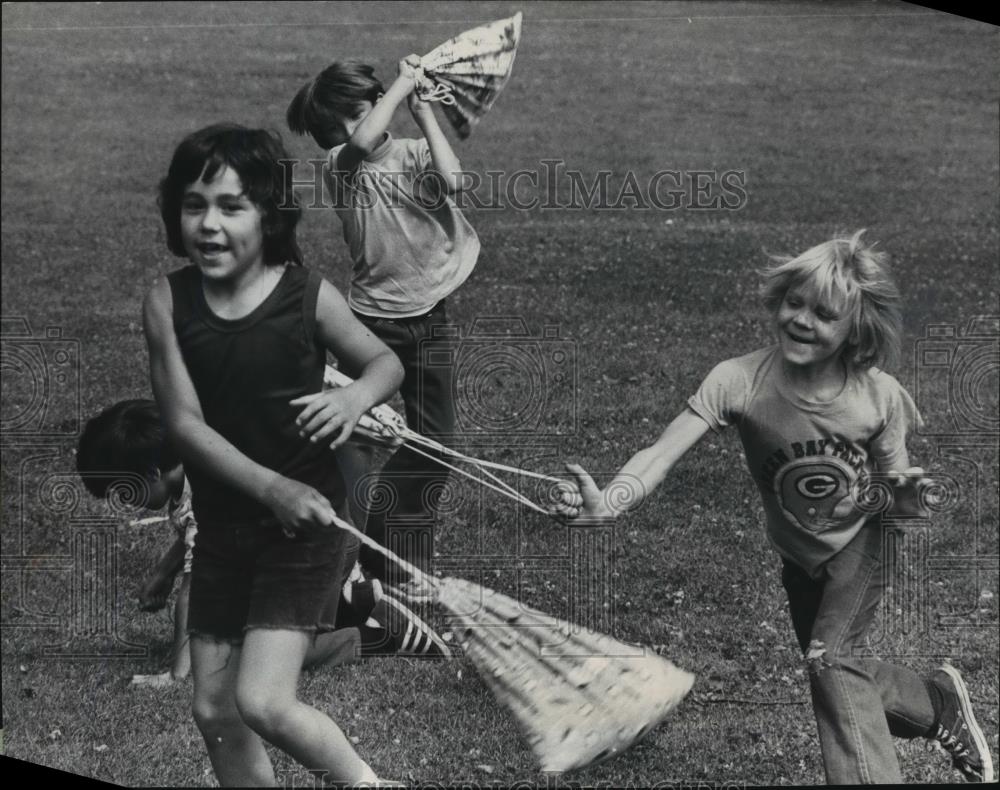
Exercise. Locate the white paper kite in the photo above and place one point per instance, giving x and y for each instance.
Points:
(467, 72)
(578, 696)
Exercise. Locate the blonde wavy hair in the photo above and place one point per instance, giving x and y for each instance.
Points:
(847, 271)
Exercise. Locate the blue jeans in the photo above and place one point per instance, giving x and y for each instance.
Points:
(859, 703)
(403, 518)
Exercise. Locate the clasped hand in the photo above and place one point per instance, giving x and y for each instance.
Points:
(580, 498)
(409, 68)
(333, 412)
(154, 593)
(297, 506)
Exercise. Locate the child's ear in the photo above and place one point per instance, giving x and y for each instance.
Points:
(154, 474)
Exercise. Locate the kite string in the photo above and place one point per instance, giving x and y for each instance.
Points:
(430, 443)
(418, 575)
(503, 488)
(393, 424)
(412, 438)
(435, 91)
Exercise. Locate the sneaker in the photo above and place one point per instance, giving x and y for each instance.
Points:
(409, 635)
(957, 730)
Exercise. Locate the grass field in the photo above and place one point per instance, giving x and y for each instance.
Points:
(839, 116)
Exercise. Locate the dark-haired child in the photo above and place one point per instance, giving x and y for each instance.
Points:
(127, 440)
(125, 443)
(411, 248)
(237, 344)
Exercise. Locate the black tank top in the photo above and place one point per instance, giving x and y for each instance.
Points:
(245, 373)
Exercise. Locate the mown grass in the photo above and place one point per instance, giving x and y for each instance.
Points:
(870, 115)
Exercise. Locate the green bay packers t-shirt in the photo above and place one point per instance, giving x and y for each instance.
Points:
(811, 461)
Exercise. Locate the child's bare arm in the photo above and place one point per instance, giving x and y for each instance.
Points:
(295, 504)
(154, 593)
(337, 411)
(443, 158)
(642, 473)
(368, 134)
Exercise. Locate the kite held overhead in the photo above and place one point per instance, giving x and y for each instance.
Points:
(467, 72)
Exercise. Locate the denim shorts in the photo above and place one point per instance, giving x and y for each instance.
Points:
(253, 576)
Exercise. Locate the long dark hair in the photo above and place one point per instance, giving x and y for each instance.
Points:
(256, 155)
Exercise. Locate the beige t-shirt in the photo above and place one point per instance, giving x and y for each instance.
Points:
(811, 461)
(410, 244)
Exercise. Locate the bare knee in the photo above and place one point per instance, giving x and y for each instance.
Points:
(214, 719)
(266, 714)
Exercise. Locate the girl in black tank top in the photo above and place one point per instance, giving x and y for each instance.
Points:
(238, 343)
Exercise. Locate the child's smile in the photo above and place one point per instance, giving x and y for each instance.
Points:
(221, 227)
(810, 331)
(210, 249)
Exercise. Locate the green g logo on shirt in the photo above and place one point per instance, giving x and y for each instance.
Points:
(817, 494)
(817, 486)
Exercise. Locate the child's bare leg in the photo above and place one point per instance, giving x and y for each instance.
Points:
(266, 694)
(237, 752)
(181, 664)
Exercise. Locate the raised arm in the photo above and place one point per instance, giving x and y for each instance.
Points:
(296, 505)
(443, 158)
(369, 132)
(642, 473)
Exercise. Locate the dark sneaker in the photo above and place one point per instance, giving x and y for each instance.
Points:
(957, 730)
(410, 635)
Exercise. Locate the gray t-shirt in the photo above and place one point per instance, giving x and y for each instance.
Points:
(810, 460)
(410, 244)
